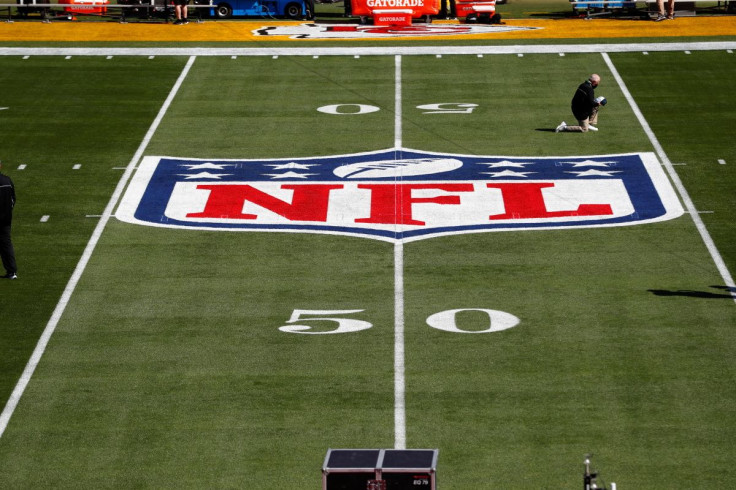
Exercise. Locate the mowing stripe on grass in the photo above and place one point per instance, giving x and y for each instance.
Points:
(33, 362)
(710, 245)
(399, 364)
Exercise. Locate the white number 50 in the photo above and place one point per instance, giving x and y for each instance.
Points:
(344, 325)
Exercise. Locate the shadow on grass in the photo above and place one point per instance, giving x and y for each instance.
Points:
(730, 293)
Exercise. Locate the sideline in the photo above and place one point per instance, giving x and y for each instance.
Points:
(709, 243)
(374, 51)
(32, 364)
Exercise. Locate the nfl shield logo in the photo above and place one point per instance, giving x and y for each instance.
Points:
(400, 194)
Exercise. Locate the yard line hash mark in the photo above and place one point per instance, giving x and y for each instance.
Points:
(689, 205)
(43, 341)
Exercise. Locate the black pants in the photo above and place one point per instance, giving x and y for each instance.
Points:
(6, 250)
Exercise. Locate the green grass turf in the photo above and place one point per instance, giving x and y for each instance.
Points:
(168, 368)
(92, 112)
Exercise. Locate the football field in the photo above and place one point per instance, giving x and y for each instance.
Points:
(229, 264)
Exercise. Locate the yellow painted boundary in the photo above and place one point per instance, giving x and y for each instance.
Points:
(242, 31)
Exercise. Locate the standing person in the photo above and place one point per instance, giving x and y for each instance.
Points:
(670, 10)
(7, 203)
(180, 6)
(584, 107)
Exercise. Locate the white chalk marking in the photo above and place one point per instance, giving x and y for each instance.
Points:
(22, 166)
(419, 50)
(45, 218)
(109, 57)
(721, 161)
(520, 55)
(43, 341)
(77, 166)
(689, 205)
(399, 355)
(68, 58)
(688, 52)
(233, 57)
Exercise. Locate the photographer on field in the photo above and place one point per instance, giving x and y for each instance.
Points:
(585, 107)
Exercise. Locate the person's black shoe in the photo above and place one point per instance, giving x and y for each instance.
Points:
(10, 275)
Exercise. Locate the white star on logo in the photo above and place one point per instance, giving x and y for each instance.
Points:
(289, 175)
(508, 173)
(595, 173)
(208, 165)
(293, 166)
(590, 163)
(203, 175)
(505, 163)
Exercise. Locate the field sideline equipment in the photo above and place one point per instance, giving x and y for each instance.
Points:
(379, 469)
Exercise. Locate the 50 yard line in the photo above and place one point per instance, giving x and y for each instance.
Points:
(399, 365)
(43, 341)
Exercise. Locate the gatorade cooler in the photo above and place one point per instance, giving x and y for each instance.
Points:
(394, 12)
(86, 6)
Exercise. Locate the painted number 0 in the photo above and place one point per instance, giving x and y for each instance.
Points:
(444, 320)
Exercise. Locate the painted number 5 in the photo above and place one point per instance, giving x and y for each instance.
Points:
(448, 108)
(300, 318)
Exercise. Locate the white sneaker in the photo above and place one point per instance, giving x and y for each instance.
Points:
(592, 128)
(561, 127)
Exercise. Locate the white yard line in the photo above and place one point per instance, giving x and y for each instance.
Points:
(25, 377)
(710, 245)
(399, 365)
(372, 50)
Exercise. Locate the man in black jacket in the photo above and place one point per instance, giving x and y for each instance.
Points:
(584, 107)
(7, 202)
